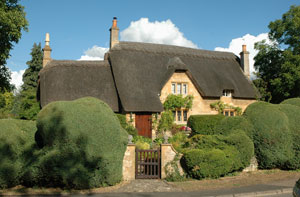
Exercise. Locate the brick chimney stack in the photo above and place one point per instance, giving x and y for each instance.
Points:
(114, 33)
(47, 50)
(245, 61)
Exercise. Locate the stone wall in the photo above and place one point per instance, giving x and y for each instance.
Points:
(129, 163)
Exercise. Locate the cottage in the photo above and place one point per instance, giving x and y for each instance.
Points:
(136, 78)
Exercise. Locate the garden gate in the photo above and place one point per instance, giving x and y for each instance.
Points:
(147, 164)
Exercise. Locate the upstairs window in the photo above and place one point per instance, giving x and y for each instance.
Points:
(173, 88)
(179, 88)
(227, 93)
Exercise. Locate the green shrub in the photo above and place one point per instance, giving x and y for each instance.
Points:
(81, 145)
(293, 114)
(131, 130)
(243, 144)
(230, 123)
(206, 163)
(271, 135)
(166, 121)
(142, 142)
(237, 146)
(292, 101)
(178, 141)
(15, 136)
(204, 124)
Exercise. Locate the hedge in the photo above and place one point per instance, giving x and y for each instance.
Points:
(237, 146)
(272, 136)
(80, 145)
(205, 163)
(230, 123)
(293, 114)
(292, 101)
(15, 136)
(204, 124)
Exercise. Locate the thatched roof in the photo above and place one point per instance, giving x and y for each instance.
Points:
(141, 70)
(69, 80)
(136, 72)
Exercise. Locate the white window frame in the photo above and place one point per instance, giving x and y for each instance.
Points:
(227, 93)
(180, 88)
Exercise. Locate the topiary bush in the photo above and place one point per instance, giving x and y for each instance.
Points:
(292, 101)
(204, 124)
(271, 135)
(230, 123)
(293, 114)
(206, 163)
(15, 136)
(237, 146)
(80, 144)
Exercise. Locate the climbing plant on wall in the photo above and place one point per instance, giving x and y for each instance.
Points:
(174, 101)
(220, 106)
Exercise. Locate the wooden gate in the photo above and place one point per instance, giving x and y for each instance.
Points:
(147, 164)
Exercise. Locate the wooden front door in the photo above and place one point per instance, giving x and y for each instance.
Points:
(143, 123)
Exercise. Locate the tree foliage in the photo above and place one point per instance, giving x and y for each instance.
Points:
(27, 104)
(12, 22)
(178, 101)
(278, 63)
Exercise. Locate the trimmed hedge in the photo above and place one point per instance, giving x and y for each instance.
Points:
(230, 123)
(293, 114)
(237, 146)
(80, 145)
(292, 101)
(204, 124)
(272, 136)
(206, 163)
(15, 136)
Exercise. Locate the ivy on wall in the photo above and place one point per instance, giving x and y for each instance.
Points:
(177, 101)
(220, 106)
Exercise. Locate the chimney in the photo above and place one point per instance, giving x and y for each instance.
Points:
(245, 61)
(114, 33)
(47, 51)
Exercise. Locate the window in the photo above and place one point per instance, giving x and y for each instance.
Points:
(179, 88)
(229, 112)
(180, 115)
(184, 89)
(184, 115)
(227, 93)
(173, 88)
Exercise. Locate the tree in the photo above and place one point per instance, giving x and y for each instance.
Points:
(27, 104)
(278, 63)
(12, 22)
(30, 76)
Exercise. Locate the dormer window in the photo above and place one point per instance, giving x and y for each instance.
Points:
(227, 93)
(179, 88)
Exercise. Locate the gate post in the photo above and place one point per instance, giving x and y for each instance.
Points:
(129, 163)
(168, 154)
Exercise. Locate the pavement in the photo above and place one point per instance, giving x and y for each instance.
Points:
(161, 188)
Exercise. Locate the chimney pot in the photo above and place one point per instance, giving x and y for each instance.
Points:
(244, 48)
(47, 40)
(115, 22)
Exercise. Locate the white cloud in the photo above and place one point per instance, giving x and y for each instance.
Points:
(160, 32)
(235, 47)
(16, 78)
(94, 53)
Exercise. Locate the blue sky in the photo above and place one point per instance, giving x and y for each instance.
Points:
(80, 28)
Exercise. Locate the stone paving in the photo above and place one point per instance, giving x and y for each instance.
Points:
(147, 185)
